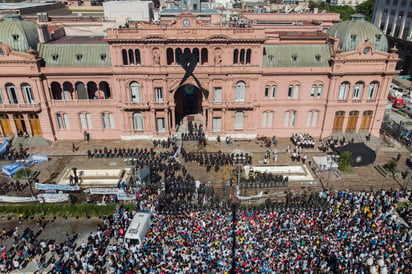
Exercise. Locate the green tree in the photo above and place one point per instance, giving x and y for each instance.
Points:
(345, 161)
(366, 8)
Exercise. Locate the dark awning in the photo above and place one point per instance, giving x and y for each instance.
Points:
(362, 155)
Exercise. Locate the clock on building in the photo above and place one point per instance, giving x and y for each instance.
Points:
(186, 22)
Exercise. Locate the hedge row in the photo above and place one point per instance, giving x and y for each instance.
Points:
(60, 210)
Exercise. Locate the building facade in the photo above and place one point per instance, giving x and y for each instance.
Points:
(394, 18)
(132, 83)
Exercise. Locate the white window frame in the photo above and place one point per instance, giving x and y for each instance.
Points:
(267, 88)
(105, 120)
(290, 119)
(217, 124)
(161, 124)
(264, 118)
(28, 94)
(217, 94)
(270, 119)
(63, 121)
(273, 91)
(313, 91)
(296, 91)
(1, 97)
(138, 121)
(315, 118)
(11, 89)
(135, 92)
(239, 121)
(320, 91)
(290, 91)
(240, 91)
(372, 90)
(111, 120)
(309, 119)
(159, 95)
(83, 123)
(343, 90)
(66, 120)
(357, 91)
(59, 119)
(89, 120)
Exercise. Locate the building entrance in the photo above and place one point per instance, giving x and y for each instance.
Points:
(188, 100)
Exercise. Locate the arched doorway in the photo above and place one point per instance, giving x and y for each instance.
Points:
(5, 125)
(352, 121)
(188, 100)
(20, 124)
(35, 125)
(338, 121)
(366, 121)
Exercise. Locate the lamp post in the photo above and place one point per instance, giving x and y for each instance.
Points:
(332, 160)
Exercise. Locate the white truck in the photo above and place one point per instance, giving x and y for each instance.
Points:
(136, 232)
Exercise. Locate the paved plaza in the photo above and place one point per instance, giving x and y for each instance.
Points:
(62, 156)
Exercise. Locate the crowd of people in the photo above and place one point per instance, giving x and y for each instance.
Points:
(338, 232)
(303, 140)
(216, 159)
(263, 180)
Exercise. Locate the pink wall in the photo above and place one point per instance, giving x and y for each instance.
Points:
(352, 67)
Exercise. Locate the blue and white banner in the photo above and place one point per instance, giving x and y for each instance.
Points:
(56, 187)
(36, 158)
(15, 199)
(105, 191)
(4, 146)
(178, 150)
(11, 169)
(124, 197)
(53, 198)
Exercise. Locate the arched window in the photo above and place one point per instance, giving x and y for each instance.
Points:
(56, 91)
(240, 91)
(242, 57)
(313, 91)
(62, 120)
(204, 55)
(108, 120)
(373, 87)
(169, 56)
(86, 120)
(196, 54)
(105, 88)
(296, 91)
(1, 97)
(343, 91)
(124, 56)
(68, 91)
(81, 91)
(267, 118)
(186, 51)
(13, 96)
(178, 54)
(91, 90)
(357, 91)
(320, 91)
(248, 55)
(131, 57)
(267, 91)
(239, 120)
(235, 56)
(290, 118)
(134, 88)
(312, 118)
(273, 91)
(137, 54)
(138, 121)
(28, 93)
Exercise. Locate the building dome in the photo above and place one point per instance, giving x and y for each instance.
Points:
(20, 35)
(355, 31)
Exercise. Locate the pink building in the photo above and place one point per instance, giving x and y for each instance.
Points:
(258, 81)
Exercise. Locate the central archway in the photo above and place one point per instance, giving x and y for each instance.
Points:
(188, 100)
